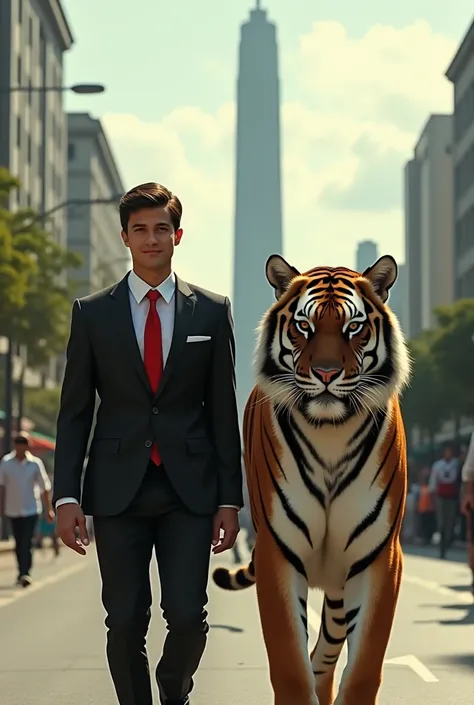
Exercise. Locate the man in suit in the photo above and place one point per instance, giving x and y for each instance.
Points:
(164, 468)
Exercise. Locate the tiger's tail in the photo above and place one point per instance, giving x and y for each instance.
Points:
(238, 579)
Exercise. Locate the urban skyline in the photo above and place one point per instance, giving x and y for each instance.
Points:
(36, 36)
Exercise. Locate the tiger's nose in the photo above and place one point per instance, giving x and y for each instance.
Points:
(326, 374)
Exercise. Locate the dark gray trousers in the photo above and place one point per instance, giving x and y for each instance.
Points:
(156, 519)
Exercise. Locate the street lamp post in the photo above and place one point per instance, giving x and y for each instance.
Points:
(73, 202)
(79, 88)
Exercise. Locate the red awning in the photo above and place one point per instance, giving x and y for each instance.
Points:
(39, 442)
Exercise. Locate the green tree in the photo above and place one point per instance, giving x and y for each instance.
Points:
(423, 403)
(453, 350)
(16, 267)
(35, 293)
(43, 406)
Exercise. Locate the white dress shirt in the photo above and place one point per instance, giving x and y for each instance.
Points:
(24, 481)
(140, 305)
(443, 471)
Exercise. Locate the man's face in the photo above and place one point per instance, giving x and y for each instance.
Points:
(448, 453)
(151, 238)
(20, 449)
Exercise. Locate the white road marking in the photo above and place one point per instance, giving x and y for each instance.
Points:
(20, 592)
(314, 621)
(416, 666)
(463, 598)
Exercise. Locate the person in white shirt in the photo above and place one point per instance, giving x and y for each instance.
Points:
(24, 488)
(444, 486)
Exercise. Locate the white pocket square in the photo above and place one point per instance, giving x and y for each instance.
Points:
(197, 338)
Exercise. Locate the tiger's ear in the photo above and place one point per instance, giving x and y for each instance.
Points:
(382, 275)
(279, 274)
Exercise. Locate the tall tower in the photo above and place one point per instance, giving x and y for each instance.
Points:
(367, 254)
(258, 210)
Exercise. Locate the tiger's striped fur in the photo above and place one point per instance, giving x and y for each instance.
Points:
(325, 460)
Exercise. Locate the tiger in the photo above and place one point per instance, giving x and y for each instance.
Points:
(326, 466)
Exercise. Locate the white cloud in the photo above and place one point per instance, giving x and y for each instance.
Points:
(365, 74)
(362, 102)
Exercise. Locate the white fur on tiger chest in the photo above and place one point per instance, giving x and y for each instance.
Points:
(329, 553)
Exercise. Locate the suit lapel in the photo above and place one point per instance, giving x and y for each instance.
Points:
(185, 300)
(124, 322)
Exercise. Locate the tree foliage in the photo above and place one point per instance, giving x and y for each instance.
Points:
(443, 373)
(423, 400)
(43, 406)
(453, 349)
(35, 295)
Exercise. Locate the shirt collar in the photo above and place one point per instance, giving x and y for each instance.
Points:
(28, 457)
(139, 288)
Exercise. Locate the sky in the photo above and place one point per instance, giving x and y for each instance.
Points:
(358, 82)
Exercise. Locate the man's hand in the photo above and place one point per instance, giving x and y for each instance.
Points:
(226, 519)
(467, 503)
(50, 516)
(467, 498)
(70, 523)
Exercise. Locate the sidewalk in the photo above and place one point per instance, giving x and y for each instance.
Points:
(6, 546)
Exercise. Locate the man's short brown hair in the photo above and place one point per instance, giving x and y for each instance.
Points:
(150, 195)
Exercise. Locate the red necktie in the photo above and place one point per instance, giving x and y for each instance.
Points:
(153, 353)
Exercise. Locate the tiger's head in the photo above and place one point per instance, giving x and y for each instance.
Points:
(330, 345)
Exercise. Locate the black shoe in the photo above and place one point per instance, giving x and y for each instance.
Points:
(183, 701)
(25, 581)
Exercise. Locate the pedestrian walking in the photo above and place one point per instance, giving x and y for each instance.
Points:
(467, 503)
(24, 493)
(444, 484)
(164, 467)
(426, 508)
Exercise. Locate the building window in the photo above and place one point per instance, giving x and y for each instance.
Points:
(20, 11)
(19, 72)
(29, 150)
(71, 152)
(18, 132)
(30, 31)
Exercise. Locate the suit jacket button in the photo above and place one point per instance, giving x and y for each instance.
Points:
(148, 444)
(154, 410)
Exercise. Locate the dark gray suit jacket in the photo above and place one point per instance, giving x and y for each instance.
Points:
(193, 417)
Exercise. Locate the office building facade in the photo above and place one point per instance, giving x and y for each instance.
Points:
(461, 74)
(94, 226)
(429, 237)
(34, 35)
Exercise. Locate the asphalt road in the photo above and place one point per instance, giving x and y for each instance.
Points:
(52, 639)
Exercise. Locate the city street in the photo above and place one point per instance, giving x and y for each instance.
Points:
(52, 639)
